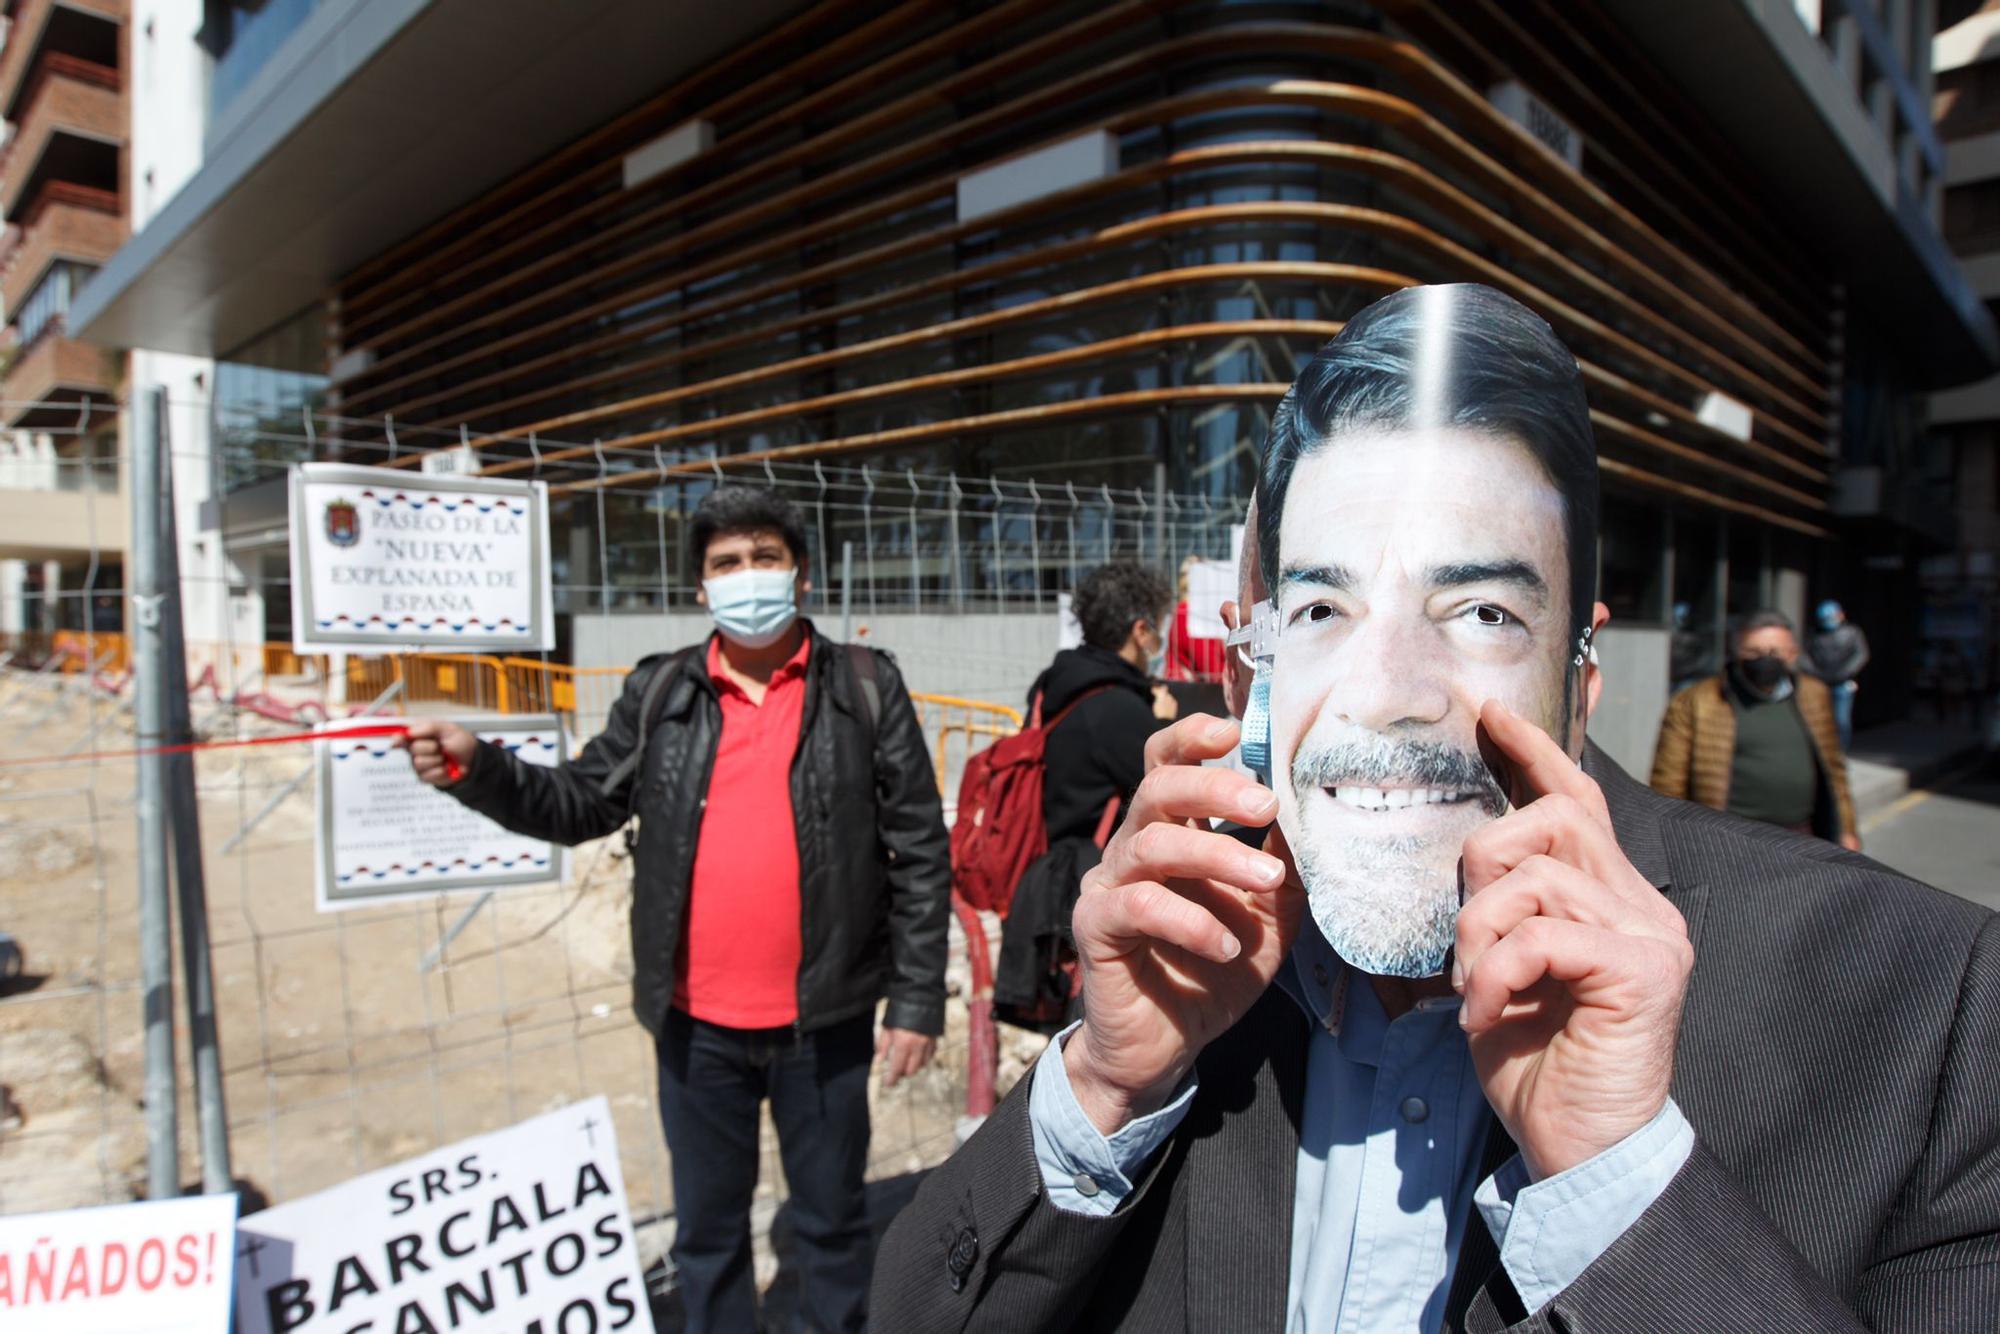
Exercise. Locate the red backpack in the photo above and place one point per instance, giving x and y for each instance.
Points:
(999, 830)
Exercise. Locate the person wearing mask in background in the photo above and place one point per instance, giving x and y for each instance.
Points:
(1098, 703)
(1103, 699)
(1759, 740)
(1838, 651)
(758, 960)
(1688, 656)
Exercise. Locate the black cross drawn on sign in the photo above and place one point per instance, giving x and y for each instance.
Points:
(251, 1245)
(590, 1130)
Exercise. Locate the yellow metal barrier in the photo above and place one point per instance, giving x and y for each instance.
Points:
(279, 660)
(476, 680)
(583, 696)
(81, 649)
(367, 678)
(951, 716)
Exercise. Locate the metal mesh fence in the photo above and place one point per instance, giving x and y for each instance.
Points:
(355, 1039)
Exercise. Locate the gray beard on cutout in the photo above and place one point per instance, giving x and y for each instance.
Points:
(1388, 906)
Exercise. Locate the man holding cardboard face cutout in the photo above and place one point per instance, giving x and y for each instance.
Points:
(1681, 1072)
(1430, 537)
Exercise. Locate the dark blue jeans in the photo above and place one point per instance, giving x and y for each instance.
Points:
(712, 1083)
(1843, 713)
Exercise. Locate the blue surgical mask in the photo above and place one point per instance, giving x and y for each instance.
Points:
(1156, 661)
(753, 608)
(1256, 643)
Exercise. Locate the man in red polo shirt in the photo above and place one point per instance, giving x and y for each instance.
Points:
(791, 869)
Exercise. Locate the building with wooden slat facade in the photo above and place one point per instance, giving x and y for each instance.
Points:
(1084, 243)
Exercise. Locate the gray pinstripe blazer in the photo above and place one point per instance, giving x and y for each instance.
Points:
(1839, 1058)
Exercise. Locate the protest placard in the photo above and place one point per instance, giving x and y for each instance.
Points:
(1210, 583)
(383, 833)
(384, 560)
(159, 1267)
(523, 1230)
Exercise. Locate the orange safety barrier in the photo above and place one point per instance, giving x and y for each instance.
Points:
(581, 696)
(476, 680)
(367, 678)
(107, 650)
(279, 660)
(969, 718)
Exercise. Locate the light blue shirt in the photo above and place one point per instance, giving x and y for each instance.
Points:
(1394, 1128)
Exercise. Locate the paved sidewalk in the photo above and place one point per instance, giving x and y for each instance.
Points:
(1948, 836)
(1888, 761)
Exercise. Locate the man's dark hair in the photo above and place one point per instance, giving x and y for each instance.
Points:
(1504, 373)
(742, 509)
(1111, 597)
(1764, 618)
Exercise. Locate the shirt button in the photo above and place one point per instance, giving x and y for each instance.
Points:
(1415, 1110)
(1319, 973)
(1085, 1183)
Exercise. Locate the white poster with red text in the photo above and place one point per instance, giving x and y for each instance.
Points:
(159, 1267)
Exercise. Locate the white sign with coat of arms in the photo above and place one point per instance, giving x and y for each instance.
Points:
(385, 560)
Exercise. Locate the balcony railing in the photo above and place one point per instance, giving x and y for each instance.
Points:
(51, 378)
(24, 36)
(61, 221)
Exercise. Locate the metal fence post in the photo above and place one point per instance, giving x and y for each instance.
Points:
(1160, 515)
(163, 1175)
(819, 519)
(1074, 504)
(999, 529)
(868, 531)
(1035, 542)
(916, 567)
(957, 585)
(847, 592)
(184, 810)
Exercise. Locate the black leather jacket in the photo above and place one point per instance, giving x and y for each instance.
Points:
(874, 859)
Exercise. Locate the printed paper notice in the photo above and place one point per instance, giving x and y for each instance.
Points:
(523, 1229)
(384, 559)
(383, 833)
(160, 1267)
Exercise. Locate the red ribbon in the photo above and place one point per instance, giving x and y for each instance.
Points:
(452, 769)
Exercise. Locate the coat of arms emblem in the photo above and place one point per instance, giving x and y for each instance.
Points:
(343, 523)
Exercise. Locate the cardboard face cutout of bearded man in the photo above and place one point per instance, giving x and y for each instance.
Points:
(1427, 528)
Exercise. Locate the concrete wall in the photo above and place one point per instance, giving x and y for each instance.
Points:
(169, 102)
(1627, 722)
(986, 657)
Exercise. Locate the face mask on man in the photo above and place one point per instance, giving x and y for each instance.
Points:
(1156, 661)
(753, 608)
(1762, 673)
